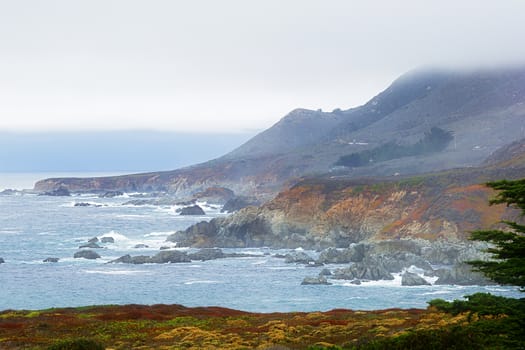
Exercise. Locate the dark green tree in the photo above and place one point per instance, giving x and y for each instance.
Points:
(508, 251)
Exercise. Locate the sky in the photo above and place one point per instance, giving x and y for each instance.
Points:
(229, 66)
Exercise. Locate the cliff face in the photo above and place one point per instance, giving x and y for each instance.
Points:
(482, 109)
(327, 212)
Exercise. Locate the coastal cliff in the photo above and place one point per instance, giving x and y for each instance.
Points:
(334, 212)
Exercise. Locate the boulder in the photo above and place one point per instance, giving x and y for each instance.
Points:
(111, 194)
(397, 262)
(413, 279)
(207, 254)
(315, 280)
(91, 245)
(93, 240)
(86, 254)
(192, 210)
(355, 253)
(128, 259)
(51, 260)
(2, 260)
(107, 240)
(86, 204)
(171, 256)
(298, 257)
(141, 246)
(325, 272)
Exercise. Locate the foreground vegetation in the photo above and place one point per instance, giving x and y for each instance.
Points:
(483, 321)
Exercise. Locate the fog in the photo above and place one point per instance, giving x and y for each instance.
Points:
(228, 66)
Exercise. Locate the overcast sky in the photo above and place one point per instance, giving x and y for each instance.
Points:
(228, 65)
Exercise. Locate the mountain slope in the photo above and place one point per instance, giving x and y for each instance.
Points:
(326, 212)
(484, 109)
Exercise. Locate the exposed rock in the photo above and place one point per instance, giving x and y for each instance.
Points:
(8, 192)
(86, 204)
(107, 240)
(163, 257)
(128, 259)
(355, 253)
(91, 245)
(86, 254)
(2, 260)
(141, 246)
(171, 256)
(238, 203)
(356, 282)
(111, 194)
(396, 262)
(207, 254)
(368, 269)
(413, 279)
(193, 210)
(93, 240)
(298, 257)
(462, 275)
(325, 272)
(164, 247)
(216, 195)
(315, 280)
(51, 260)
(59, 192)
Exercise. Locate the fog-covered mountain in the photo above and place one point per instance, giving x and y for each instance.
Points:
(393, 134)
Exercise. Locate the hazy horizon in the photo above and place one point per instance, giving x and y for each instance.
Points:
(228, 66)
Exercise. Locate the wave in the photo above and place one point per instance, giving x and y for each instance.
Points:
(202, 282)
(116, 272)
(159, 234)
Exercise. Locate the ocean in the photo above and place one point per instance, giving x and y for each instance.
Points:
(33, 228)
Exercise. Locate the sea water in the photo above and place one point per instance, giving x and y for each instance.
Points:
(33, 228)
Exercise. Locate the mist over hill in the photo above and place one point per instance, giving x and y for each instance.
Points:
(483, 110)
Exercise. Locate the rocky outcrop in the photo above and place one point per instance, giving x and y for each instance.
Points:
(61, 191)
(193, 210)
(111, 194)
(238, 203)
(86, 254)
(86, 204)
(315, 280)
(413, 279)
(216, 195)
(107, 240)
(370, 269)
(207, 254)
(51, 260)
(355, 253)
(298, 258)
(163, 257)
(462, 275)
(2, 261)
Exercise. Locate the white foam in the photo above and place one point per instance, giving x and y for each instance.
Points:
(202, 282)
(436, 292)
(260, 262)
(159, 234)
(116, 272)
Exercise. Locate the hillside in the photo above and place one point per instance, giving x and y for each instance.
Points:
(484, 110)
(325, 211)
